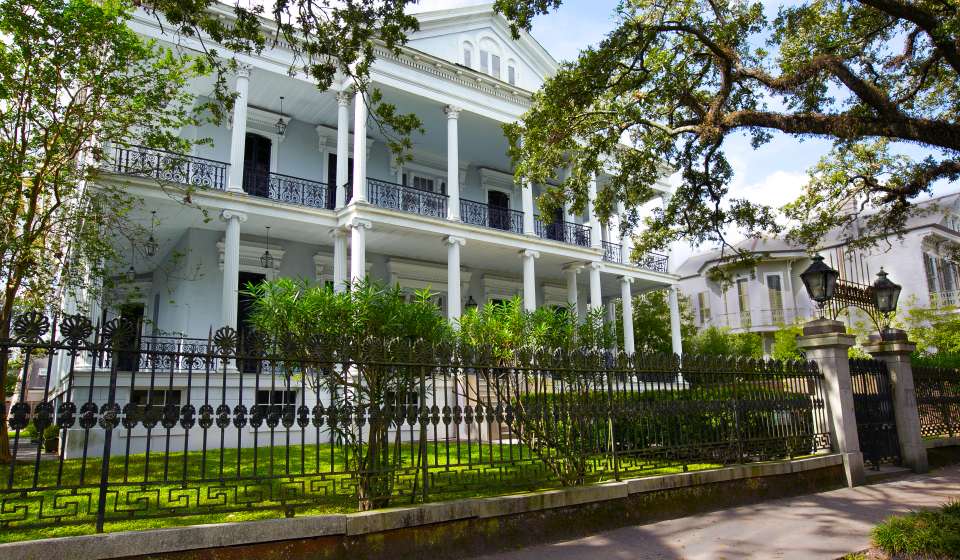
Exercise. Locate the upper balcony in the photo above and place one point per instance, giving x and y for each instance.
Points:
(614, 252)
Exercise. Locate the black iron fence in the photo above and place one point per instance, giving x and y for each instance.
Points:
(873, 408)
(168, 166)
(496, 217)
(567, 232)
(407, 199)
(938, 400)
(203, 428)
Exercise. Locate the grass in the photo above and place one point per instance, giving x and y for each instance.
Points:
(228, 485)
(922, 534)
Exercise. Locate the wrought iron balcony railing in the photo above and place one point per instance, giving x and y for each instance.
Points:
(655, 262)
(613, 252)
(284, 188)
(567, 232)
(480, 214)
(406, 199)
(168, 166)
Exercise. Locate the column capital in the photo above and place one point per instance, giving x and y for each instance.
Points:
(357, 223)
(344, 98)
(227, 215)
(626, 279)
(595, 265)
(338, 233)
(452, 111)
(574, 267)
(530, 253)
(243, 70)
(454, 240)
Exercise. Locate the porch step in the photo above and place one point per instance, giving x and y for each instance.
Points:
(885, 473)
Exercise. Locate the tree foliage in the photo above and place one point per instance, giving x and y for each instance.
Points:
(651, 322)
(675, 79)
(72, 75)
(716, 341)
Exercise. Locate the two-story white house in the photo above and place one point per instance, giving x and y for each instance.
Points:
(765, 297)
(313, 185)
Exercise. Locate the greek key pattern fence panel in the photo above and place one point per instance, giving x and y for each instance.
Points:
(135, 428)
(938, 400)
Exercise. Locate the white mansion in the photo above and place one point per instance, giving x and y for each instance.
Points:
(765, 297)
(322, 195)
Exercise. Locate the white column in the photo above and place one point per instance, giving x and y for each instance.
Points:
(359, 147)
(665, 201)
(454, 302)
(529, 280)
(596, 239)
(596, 297)
(526, 197)
(453, 163)
(343, 147)
(238, 138)
(626, 303)
(339, 259)
(358, 249)
(231, 265)
(626, 240)
(675, 339)
(571, 270)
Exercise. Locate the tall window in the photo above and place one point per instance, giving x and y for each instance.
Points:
(484, 61)
(743, 297)
(512, 75)
(494, 66)
(468, 55)
(703, 304)
(775, 293)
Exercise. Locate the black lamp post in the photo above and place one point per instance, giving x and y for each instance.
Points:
(820, 281)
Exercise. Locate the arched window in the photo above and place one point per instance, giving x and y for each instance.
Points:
(512, 72)
(468, 54)
(490, 57)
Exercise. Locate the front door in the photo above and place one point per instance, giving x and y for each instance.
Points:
(332, 179)
(128, 356)
(256, 165)
(498, 205)
(555, 230)
(244, 309)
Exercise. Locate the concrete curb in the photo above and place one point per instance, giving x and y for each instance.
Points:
(177, 539)
(941, 442)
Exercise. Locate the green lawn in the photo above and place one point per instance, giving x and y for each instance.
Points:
(163, 490)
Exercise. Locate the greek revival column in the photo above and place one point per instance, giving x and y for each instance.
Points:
(453, 277)
(343, 148)
(676, 341)
(339, 259)
(596, 235)
(453, 163)
(358, 249)
(571, 270)
(626, 303)
(526, 198)
(626, 240)
(238, 138)
(359, 147)
(231, 265)
(596, 297)
(529, 279)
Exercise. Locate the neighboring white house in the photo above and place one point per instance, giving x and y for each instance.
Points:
(765, 297)
(338, 208)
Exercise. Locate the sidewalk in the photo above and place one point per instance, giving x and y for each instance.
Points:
(826, 526)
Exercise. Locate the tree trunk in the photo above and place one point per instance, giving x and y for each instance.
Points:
(5, 456)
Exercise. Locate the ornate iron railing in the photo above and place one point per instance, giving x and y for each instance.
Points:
(655, 262)
(290, 433)
(480, 214)
(407, 199)
(567, 232)
(938, 400)
(286, 188)
(613, 252)
(168, 166)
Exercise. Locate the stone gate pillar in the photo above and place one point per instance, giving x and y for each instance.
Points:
(894, 349)
(826, 342)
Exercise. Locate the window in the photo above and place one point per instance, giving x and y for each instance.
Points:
(775, 293)
(512, 75)
(930, 268)
(156, 397)
(468, 57)
(743, 298)
(484, 61)
(394, 399)
(276, 397)
(495, 66)
(422, 183)
(703, 305)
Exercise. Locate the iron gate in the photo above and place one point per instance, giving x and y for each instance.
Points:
(873, 405)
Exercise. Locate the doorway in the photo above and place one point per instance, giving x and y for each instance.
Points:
(256, 165)
(128, 351)
(498, 210)
(244, 310)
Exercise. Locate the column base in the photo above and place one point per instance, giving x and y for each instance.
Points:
(853, 469)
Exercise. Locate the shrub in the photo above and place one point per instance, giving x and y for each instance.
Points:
(922, 534)
(715, 341)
